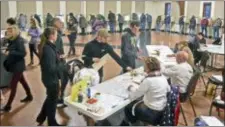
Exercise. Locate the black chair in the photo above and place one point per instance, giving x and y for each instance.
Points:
(219, 104)
(215, 81)
(190, 91)
(202, 66)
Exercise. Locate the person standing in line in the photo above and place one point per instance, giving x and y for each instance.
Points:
(112, 21)
(35, 33)
(72, 35)
(49, 19)
(22, 22)
(97, 48)
(62, 72)
(143, 21)
(216, 28)
(181, 24)
(121, 22)
(38, 19)
(83, 24)
(91, 22)
(129, 49)
(98, 24)
(204, 25)
(167, 22)
(149, 21)
(158, 23)
(49, 69)
(15, 63)
(192, 25)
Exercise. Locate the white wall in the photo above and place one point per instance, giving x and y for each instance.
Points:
(155, 8)
(219, 9)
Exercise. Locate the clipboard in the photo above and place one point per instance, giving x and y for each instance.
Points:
(101, 63)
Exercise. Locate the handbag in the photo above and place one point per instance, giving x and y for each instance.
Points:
(5, 75)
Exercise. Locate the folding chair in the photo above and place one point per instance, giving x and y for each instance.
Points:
(190, 91)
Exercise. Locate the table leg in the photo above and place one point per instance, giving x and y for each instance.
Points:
(89, 121)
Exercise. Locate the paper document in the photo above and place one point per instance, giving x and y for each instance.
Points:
(101, 63)
(211, 121)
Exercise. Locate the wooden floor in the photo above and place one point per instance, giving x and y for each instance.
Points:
(25, 114)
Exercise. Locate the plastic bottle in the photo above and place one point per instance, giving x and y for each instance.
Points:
(88, 91)
(80, 96)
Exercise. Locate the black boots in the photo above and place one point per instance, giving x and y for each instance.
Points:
(27, 99)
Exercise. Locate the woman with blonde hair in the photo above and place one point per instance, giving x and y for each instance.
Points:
(154, 89)
(15, 63)
(183, 46)
(35, 33)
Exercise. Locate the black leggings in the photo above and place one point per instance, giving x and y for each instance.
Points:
(33, 50)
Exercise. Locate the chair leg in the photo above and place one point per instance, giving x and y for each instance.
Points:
(210, 110)
(218, 111)
(192, 106)
(215, 90)
(185, 121)
(203, 80)
(207, 85)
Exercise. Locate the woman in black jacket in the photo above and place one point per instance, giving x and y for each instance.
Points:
(15, 63)
(49, 63)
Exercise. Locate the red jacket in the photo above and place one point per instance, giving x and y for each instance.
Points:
(204, 22)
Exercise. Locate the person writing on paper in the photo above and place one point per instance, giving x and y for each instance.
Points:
(180, 73)
(97, 48)
(154, 89)
(183, 46)
(129, 49)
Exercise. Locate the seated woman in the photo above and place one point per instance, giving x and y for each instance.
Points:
(154, 88)
(181, 73)
(183, 46)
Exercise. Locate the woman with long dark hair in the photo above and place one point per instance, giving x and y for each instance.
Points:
(49, 63)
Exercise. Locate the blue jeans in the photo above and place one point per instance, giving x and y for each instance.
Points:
(112, 27)
(167, 27)
(216, 32)
(143, 113)
(181, 29)
(204, 30)
(142, 25)
(157, 27)
(192, 31)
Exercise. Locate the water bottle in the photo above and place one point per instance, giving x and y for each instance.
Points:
(88, 91)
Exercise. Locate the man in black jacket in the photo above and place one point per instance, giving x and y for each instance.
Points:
(62, 73)
(97, 48)
(129, 49)
(112, 21)
(15, 63)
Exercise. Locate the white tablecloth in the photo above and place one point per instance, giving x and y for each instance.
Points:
(162, 57)
(114, 96)
(214, 49)
(114, 93)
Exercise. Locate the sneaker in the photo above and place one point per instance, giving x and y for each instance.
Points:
(27, 99)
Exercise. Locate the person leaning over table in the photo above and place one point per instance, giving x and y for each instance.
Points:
(129, 49)
(183, 46)
(181, 73)
(97, 48)
(154, 88)
(15, 63)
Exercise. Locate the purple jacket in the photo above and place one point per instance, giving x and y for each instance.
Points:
(98, 24)
(35, 35)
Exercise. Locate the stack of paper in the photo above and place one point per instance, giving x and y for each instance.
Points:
(211, 121)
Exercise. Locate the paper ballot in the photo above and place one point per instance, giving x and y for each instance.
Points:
(101, 63)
